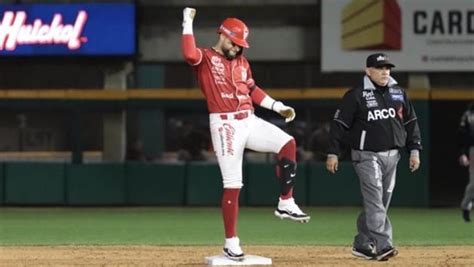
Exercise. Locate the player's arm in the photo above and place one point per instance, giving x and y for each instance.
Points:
(191, 53)
(262, 99)
(411, 126)
(413, 135)
(340, 125)
(463, 139)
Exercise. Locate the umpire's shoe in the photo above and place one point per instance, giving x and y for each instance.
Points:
(466, 215)
(232, 249)
(386, 253)
(287, 209)
(368, 254)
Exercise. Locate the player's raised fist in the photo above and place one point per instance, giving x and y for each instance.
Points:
(289, 113)
(188, 14)
(285, 111)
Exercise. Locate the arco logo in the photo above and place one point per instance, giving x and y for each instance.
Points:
(381, 114)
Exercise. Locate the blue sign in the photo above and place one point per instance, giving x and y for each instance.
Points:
(67, 29)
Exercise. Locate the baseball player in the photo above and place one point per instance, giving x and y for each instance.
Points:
(466, 142)
(379, 120)
(225, 78)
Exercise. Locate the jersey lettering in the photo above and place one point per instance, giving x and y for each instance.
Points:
(226, 136)
(223, 82)
(218, 70)
(381, 114)
(368, 95)
(227, 95)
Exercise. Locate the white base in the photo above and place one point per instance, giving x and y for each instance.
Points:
(220, 260)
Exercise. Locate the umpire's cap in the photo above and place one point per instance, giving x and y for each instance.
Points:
(378, 60)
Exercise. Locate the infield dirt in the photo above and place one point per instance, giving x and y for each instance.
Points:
(194, 256)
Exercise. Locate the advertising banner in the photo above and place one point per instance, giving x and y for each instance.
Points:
(418, 35)
(67, 29)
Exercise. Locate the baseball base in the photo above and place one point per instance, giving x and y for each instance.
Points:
(220, 260)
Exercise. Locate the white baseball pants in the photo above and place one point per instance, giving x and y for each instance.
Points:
(231, 133)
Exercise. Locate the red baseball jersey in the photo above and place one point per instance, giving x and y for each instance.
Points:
(226, 84)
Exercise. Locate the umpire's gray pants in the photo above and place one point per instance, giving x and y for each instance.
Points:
(466, 203)
(376, 171)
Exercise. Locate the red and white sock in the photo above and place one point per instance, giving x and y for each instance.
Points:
(230, 210)
(287, 151)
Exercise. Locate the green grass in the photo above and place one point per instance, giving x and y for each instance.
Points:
(203, 226)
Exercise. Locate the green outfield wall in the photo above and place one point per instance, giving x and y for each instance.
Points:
(199, 183)
(191, 184)
(34, 184)
(155, 184)
(2, 185)
(95, 184)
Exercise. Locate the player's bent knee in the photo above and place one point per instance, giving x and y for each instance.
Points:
(291, 142)
(288, 145)
(232, 183)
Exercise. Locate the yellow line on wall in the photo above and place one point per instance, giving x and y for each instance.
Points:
(178, 93)
(453, 94)
(326, 93)
(193, 94)
(97, 95)
(417, 94)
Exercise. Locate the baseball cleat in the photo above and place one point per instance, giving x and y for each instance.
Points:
(232, 249)
(386, 253)
(287, 209)
(367, 254)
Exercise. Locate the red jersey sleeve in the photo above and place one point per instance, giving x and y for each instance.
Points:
(256, 93)
(191, 53)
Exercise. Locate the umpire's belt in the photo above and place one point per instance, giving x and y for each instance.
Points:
(239, 115)
(391, 152)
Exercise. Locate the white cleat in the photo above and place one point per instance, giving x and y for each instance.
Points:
(287, 209)
(232, 249)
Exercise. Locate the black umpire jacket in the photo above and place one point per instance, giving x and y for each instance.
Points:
(375, 119)
(466, 130)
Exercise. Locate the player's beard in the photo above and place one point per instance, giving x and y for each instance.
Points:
(229, 54)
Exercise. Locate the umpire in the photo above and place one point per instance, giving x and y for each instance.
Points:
(466, 159)
(377, 120)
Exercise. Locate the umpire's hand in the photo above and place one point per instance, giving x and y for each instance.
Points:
(463, 160)
(332, 163)
(414, 162)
